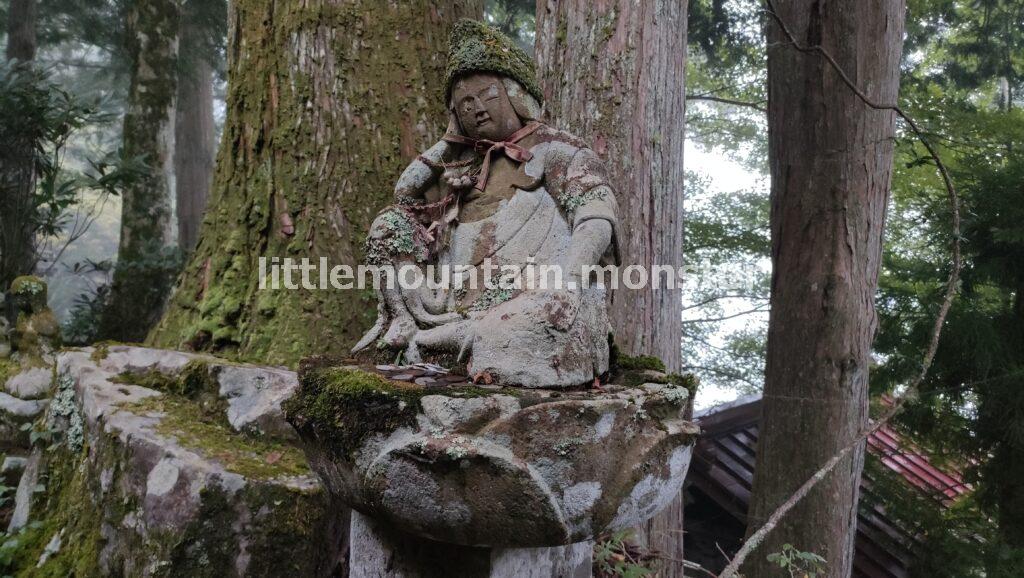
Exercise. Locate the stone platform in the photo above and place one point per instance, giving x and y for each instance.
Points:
(159, 463)
(507, 474)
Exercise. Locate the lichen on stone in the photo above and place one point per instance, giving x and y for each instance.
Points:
(566, 446)
(491, 297)
(572, 201)
(64, 408)
(396, 234)
(29, 286)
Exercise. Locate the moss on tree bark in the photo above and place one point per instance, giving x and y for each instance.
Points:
(327, 101)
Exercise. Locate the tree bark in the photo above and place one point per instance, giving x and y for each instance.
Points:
(145, 256)
(18, 162)
(327, 102)
(613, 73)
(21, 30)
(193, 143)
(831, 164)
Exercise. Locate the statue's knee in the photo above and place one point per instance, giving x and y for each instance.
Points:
(396, 235)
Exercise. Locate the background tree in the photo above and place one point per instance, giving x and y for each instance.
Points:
(831, 163)
(614, 75)
(200, 51)
(21, 30)
(964, 77)
(18, 165)
(327, 102)
(146, 254)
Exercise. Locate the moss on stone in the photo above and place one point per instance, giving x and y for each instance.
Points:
(640, 363)
(340, 407)
(191, 381)
(69, 510)
(477, 47)
(209, 545)
(209, 434)
(101, 350)
(29, 290)
(344, 406)
(278, 534)
(8, 369)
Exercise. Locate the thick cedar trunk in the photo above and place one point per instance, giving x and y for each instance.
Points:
(21, 30)
(18, 162)
(327, 102)
(613, 73)
(144, 269)
(831, 163)
(193, 145)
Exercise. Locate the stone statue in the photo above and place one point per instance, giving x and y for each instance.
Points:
(36, 333)
(517, 474)
(501, 188)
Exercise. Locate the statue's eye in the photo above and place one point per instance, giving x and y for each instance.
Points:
(492, 92)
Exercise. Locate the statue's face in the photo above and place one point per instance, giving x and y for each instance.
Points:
(483, 107)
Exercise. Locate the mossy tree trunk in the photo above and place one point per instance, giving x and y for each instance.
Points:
(327, 102)
(145, 256)
(831, 161)
(613, 73)
(18, 161)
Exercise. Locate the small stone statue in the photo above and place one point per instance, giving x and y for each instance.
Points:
(36, 331)
(505, 189)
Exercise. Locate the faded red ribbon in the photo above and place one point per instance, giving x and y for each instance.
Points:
(486, 147)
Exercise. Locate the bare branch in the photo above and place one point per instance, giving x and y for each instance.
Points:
(755, 539)
(759, 309)
(709, 300)
(758, 106)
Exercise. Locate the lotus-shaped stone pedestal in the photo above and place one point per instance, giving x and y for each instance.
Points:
(495, 470)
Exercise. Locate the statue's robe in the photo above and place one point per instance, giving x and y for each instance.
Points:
(525, 218)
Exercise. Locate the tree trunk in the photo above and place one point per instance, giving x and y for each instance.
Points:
(831, 162)
(193, 142)
(613, 73)
(21, 30)
(145, 256)
(327, 102)
(18, 162)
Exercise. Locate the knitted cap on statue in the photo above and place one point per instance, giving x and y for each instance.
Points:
(477, 47)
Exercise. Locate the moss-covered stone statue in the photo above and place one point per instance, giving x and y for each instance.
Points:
(36, 331)
(501, 188)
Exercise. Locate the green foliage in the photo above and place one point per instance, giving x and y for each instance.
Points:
(38, 120)
(618, 556)
(798, 564)
(964, 81)
(515, 18)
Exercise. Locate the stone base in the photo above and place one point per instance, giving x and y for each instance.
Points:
(378, 551)
(498, 467)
